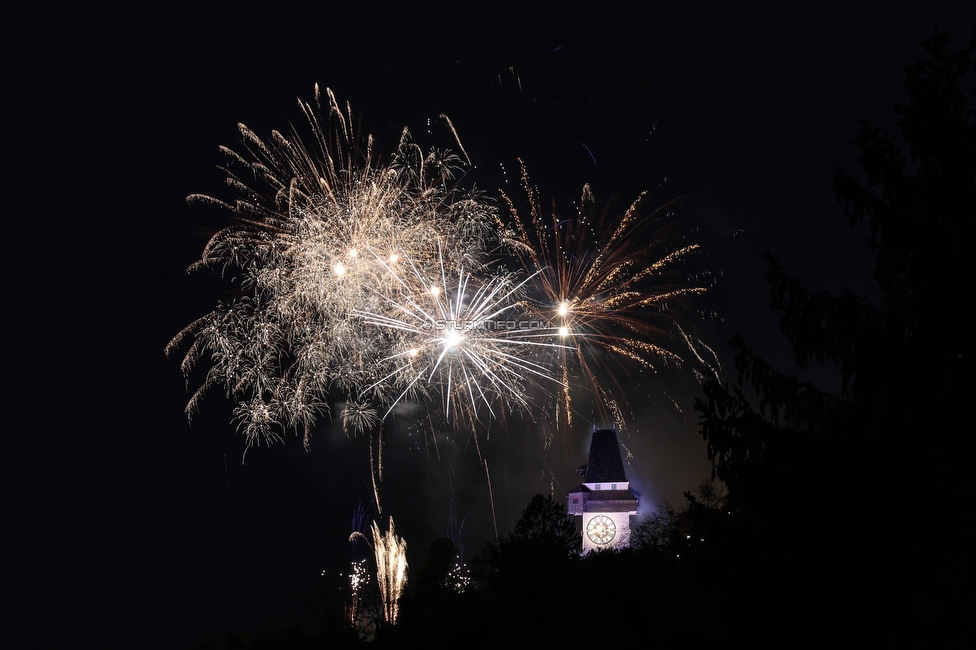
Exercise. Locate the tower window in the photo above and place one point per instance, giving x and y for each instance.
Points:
(598, 486)
(613, 486)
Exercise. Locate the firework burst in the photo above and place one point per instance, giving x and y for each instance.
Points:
(614, 283)
(318, 233)
(362, 284)
(469, 340)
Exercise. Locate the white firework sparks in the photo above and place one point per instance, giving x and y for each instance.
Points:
(473, 341)
(390, 552)
(304, 219)
(365, 284)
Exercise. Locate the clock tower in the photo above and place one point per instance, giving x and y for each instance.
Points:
(603, 504)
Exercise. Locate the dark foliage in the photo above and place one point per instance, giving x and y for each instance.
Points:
(896, 424)
(545, 525)
(543, 544)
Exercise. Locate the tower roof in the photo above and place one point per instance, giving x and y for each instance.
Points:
(605, 464)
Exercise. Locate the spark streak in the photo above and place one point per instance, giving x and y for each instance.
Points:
(391, 569)
(471, 341)
(615, 284)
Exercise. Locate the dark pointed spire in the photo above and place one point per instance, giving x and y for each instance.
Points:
(605, 464)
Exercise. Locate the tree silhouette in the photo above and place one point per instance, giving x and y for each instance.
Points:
(657, 532)
(546, 523)
(904, 381)
(438, 575)
(711, 496)
(543, 541)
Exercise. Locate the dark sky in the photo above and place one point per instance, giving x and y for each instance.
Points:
(123, 525)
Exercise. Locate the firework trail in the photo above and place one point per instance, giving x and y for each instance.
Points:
(358, 570)
(456, 532)
(391, 568)
(615, 284)
(318, 232)
(459, 576)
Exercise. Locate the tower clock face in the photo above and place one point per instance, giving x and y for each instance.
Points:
(601, 529)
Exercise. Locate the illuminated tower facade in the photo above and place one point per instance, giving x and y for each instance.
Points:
(604, 503)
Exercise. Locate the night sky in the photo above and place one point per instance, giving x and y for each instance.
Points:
(125, 525)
